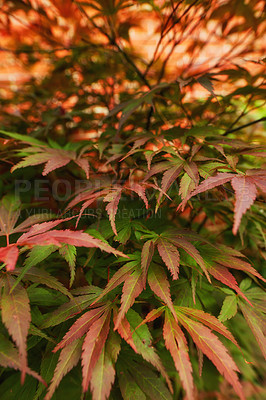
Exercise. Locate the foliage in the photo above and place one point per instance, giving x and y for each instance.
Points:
(132, 216)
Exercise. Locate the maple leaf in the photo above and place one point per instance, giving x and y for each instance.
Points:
(146, 257)
(81, 326)
(211, 346)
(159, 284)
(181, 242)
(223, 275)
(68, 359)
(103, 374)
(140, 190)
(230, 258)
(205, 81)
(176, 343)
(92, 347)
(124, 330)
(113, 198)
(69, 252)
(114, 195)
(119, 277)
(132, 288)
(169, 176)
(229, 308)
(169, 255)
(41, 234)
(10, 209)
(16, 317)
(245, 191)
(187, 185)
(148, 381)
(9, 256)
(139, 334)
(39, 276)
(254, 316)
(71, 309)
(40, 153)
(243, 185)
(9, 357)
(209, 320)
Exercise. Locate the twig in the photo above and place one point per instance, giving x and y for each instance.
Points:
(244, 126)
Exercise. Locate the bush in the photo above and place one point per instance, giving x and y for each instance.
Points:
(132, 213)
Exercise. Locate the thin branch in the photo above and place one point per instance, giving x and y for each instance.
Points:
(31, 50)
(244, 126)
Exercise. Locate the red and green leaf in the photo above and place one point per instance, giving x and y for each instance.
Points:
(169, 255)
(211, 346)
(159, 284)
(103, 374)
(16, 317)
(132, 288)
(92, 347)
(176, 343)
(68, 359)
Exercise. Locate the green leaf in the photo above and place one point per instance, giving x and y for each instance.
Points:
(24, 138)
(36, 255)
(68, 358)
(149, 382)
(69, 252)
(129, 388)
(229, 308)
(40, 276)
(70, 309)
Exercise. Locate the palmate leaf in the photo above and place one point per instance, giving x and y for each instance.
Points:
(169, 177)
(232, 259)
(187, 185)
(47, 368)
(176, 343)
(9, 256)
(205, 81)
(189, 249)
(53, 158)
(68, 359)
(243, 185)
(16, 317)
(211, 346)
(103, 374)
